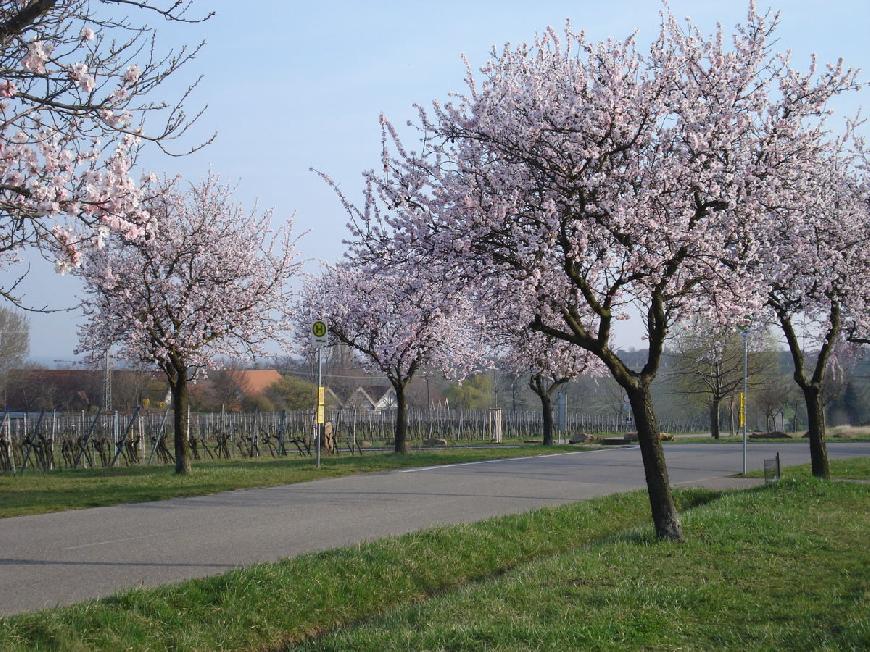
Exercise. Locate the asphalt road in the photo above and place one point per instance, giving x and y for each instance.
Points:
(66, 557)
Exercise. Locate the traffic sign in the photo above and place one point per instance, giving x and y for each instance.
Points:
(319, 332)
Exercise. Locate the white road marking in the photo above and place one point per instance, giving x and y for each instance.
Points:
(712, 477)
(110, 541)
(422, 468)
(501, 459)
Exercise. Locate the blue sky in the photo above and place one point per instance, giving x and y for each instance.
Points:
(293, 85)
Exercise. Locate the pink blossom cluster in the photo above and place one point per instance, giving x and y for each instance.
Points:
(588, 177)
(398, 322)
(816, 260)
(52, 177)
(73, 99)
(214, 281)
(525, 351)
(574, 182)
(47, 174)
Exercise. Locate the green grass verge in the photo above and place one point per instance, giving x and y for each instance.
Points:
(37, 493)
(834, 434)
(272, 604)
(784, 566)
(793, 439)
(854, 468)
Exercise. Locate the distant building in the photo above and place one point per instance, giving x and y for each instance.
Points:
(387, 401)
(374, 398)
(359, 399)
(231, 387)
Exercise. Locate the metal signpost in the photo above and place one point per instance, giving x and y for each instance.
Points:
(744, 332)
(319, 332)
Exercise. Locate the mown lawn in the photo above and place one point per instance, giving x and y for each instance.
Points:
(795, 440)
(784, 566)
(853, 468)
(36, 493)
(835, 434)
(781, 568)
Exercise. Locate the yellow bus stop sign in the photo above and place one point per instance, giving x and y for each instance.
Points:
(319, 332)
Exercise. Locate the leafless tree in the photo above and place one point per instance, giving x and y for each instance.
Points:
(707, 362)
(14, 343)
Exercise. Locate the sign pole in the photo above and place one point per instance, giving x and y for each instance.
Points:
(745, 334)
(319, 336)
(320, 400)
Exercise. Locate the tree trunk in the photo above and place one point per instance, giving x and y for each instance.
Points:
(637, 386)
(714, 417)
(401, 433)
(179, 420)
(812, 387)
(664, 513)
(538, 386)
(547, 407)
(816, 432)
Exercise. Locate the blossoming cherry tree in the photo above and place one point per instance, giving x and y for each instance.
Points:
(214, 283)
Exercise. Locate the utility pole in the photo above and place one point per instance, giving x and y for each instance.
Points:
(562, 409)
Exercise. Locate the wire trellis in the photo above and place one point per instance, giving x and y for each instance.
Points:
(56, 440)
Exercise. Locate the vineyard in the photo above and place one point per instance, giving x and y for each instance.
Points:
(64, 440)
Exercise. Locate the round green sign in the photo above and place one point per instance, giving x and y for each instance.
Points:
(319, 329)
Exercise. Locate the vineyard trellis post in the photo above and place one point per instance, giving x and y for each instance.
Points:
(29, 444)
(121, 442)
(7, 459)
(85, 439)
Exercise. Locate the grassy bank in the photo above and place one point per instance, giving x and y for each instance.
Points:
(37, 493)
(796, 440)
(854, 468)
(836, 434)
(271, 604)
(781, 567)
